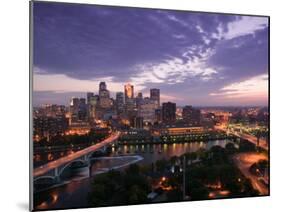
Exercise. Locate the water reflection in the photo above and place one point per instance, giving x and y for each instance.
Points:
(153, 152)
(51, 200)
(74, 194)
(50, 157)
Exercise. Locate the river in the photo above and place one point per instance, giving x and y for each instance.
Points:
(73, 191)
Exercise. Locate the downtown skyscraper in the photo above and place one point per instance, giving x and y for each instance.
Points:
(155, 95)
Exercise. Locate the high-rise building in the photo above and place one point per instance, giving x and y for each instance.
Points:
(78, 109)
(130, 103)
(82, 111)
(129, 92)
(147, 110)
(102, 86)
(104, 96)
(155, 95)
(45, 126)
(93, 103)
(89, 95)
(191, 116)
(119, 102)
(74, 104)
(139, 95)
(51, 110)
(139, 99)
(74, 107)
(158, 115)
(138, 122)
(169, 112)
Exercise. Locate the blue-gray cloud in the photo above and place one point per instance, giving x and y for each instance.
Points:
(182, 53)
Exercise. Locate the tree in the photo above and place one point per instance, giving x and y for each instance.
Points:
(196, 190)
(174, 195)
(118, 188)
(161, 165)
(137, 195)
(133, 169)
(218, 155)
(202, 154)
(174, 159)
(193, 156)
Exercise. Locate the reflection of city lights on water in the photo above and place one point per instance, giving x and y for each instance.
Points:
(54, 198)
(43, 205)
(50, 157)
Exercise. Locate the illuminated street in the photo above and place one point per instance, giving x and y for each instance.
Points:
(250, 138)
(253, 139)
(244, 161)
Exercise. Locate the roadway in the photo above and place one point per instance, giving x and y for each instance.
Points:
(243, 161)
(64, 160)
(250, 138)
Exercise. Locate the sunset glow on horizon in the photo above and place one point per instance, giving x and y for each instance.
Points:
(193, 58)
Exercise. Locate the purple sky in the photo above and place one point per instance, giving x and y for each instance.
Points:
(193, 58)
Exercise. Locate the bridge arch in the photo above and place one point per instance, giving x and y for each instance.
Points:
(90, 155)
(44, 177)
(69, 164)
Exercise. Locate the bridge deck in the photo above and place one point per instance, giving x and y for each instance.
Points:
(61, 161)
(250, 138)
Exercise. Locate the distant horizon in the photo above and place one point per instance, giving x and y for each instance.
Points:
(197, 106)
(194, 58)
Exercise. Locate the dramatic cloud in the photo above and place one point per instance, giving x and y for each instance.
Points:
(246, 25)
(175, 70)
(77, 46)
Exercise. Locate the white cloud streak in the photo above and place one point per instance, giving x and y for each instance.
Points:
(176, 70)
(244, 26)
(255, 87)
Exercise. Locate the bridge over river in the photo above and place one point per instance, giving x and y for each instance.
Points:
(54, 169)
(262, 143)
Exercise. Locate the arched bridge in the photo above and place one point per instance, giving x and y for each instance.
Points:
(262, 143)
(54, 169)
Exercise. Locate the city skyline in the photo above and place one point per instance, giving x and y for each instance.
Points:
(142, 106)
(196, 59)
(113, 95)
